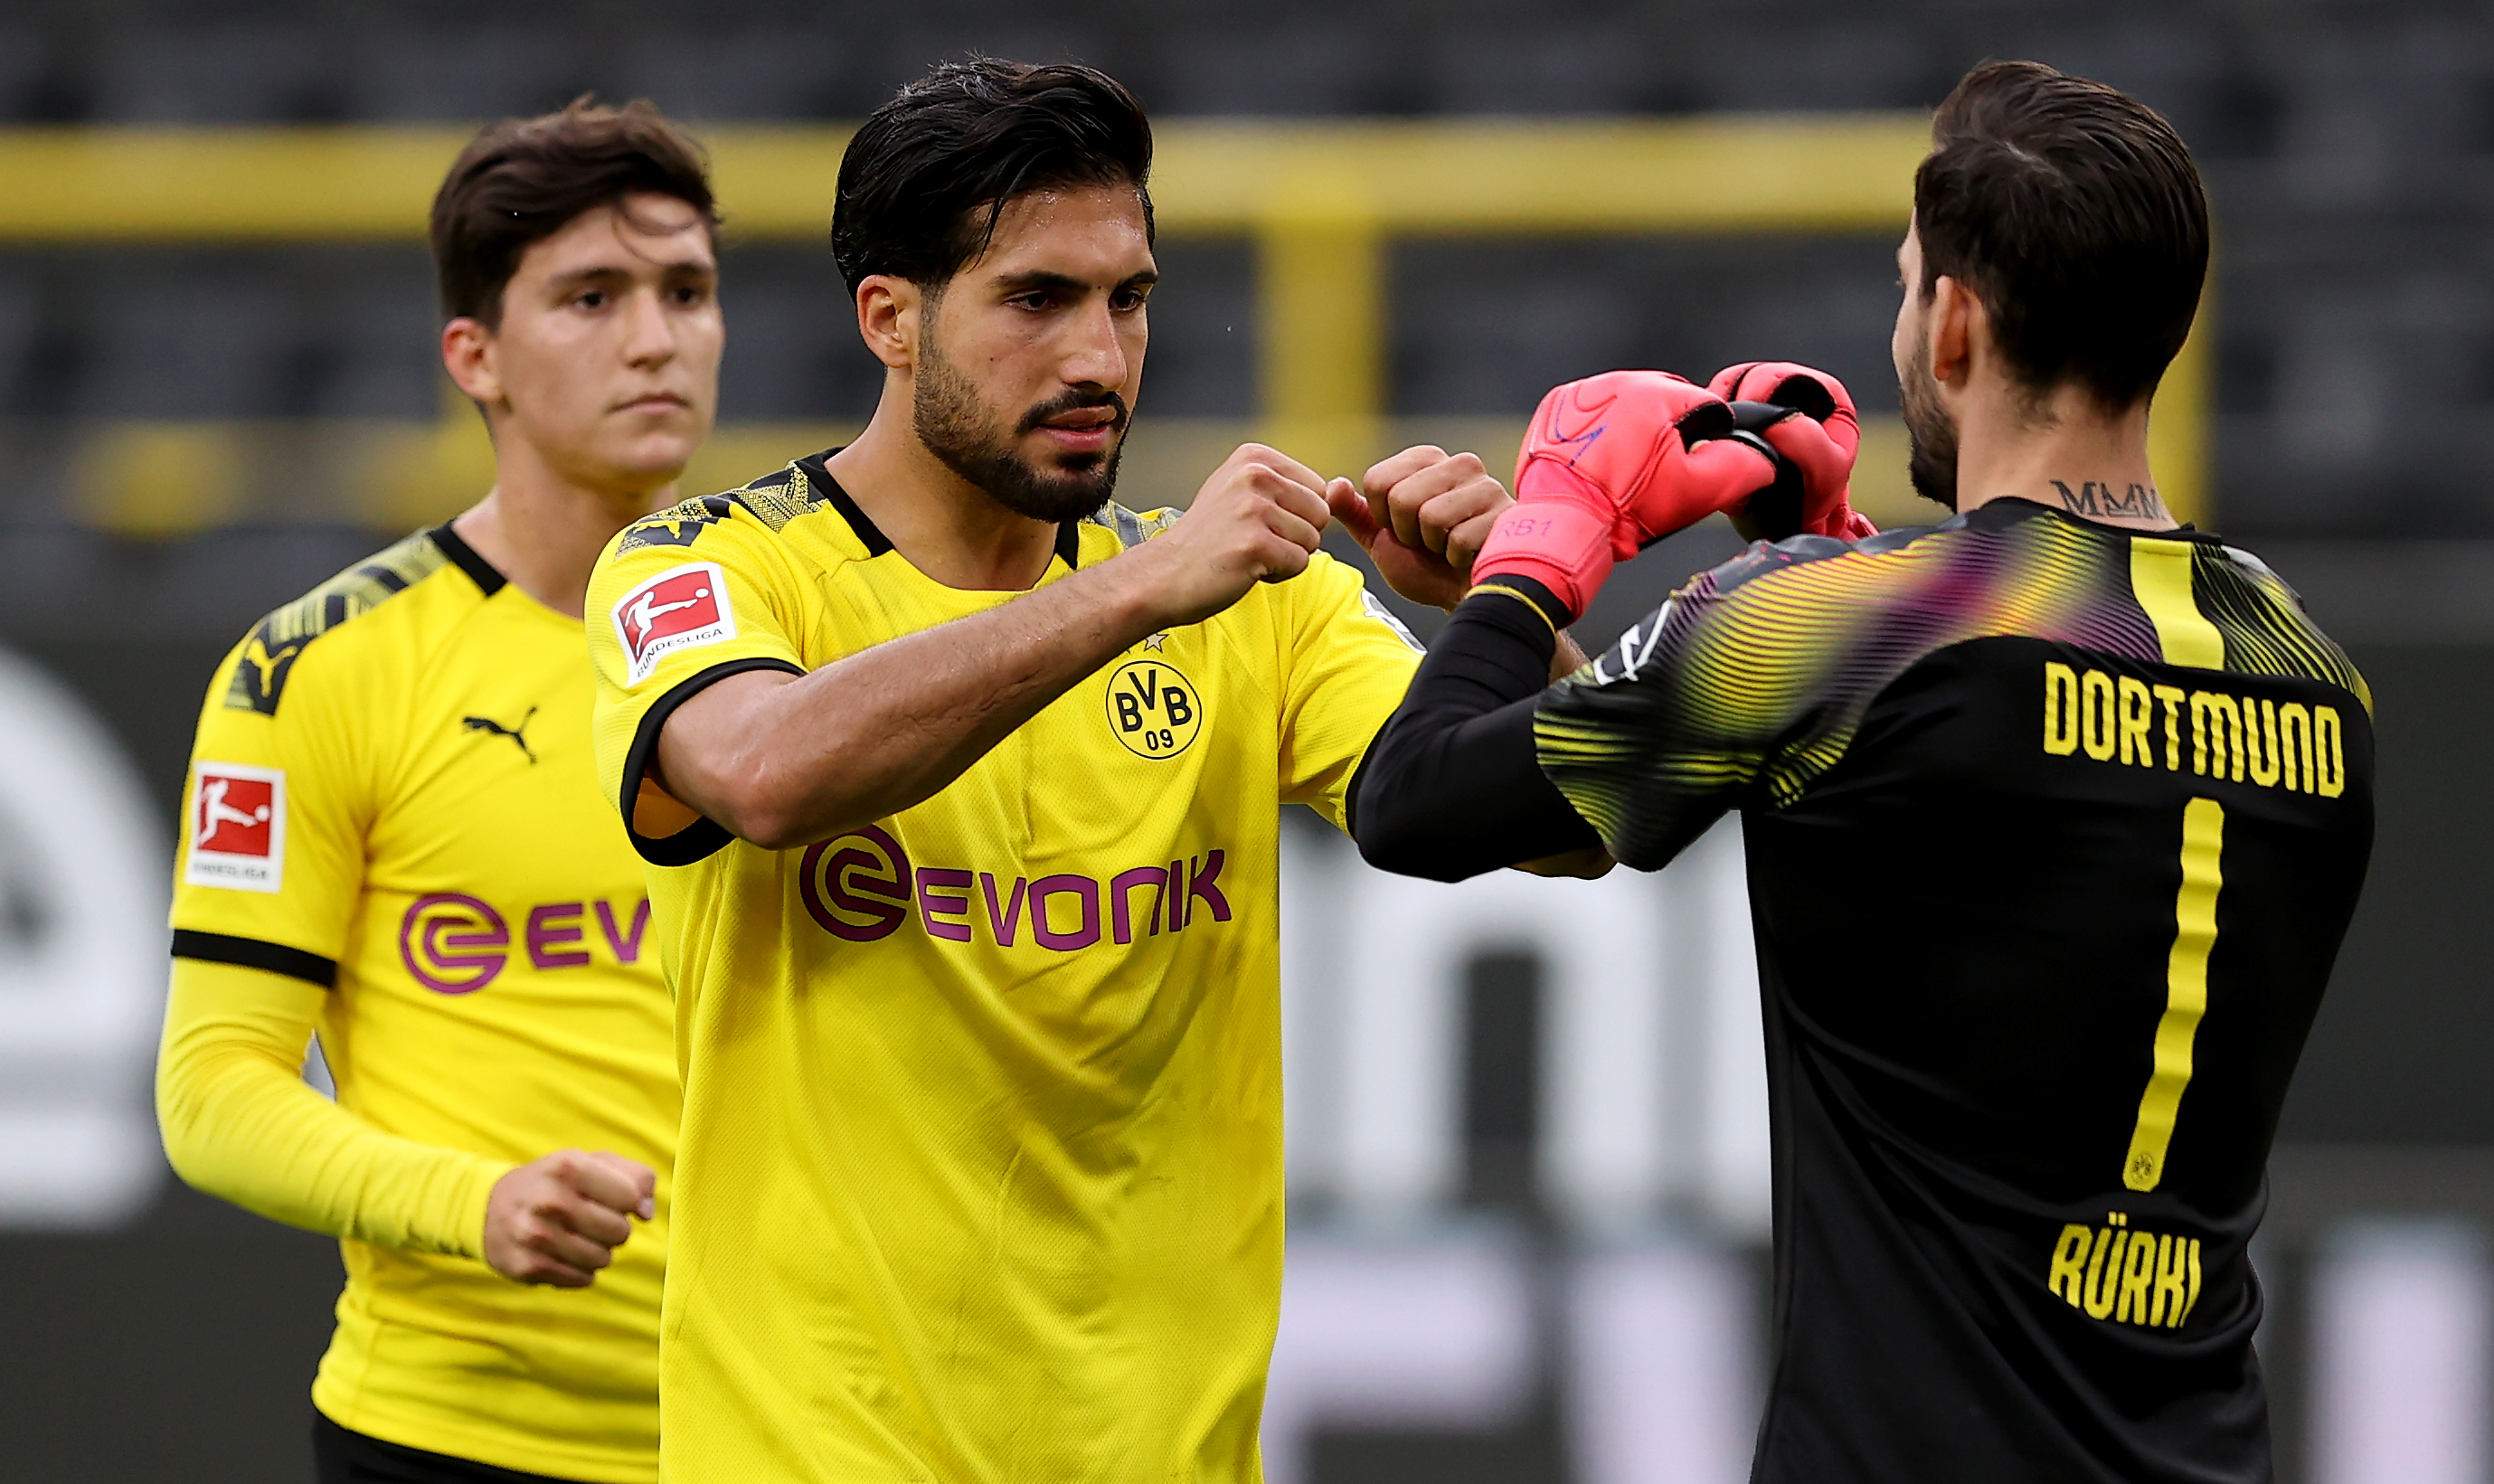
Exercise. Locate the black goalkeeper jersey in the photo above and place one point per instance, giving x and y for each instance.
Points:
(2053, 831)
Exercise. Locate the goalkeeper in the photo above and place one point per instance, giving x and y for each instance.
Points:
(2056, 815)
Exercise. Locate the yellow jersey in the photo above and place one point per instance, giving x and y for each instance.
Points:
(981, 1168)
(393, 796)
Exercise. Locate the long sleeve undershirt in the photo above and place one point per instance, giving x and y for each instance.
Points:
(239, 1123)
(1453, 786)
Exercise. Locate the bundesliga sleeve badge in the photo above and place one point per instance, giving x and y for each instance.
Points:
(678, 609)
(237, 834)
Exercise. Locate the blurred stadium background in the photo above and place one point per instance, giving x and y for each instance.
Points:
(1527, 1121)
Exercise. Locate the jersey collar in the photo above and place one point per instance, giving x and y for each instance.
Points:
(816, 467)
(464, 557)
(2010, 509)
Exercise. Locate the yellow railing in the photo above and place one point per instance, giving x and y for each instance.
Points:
(1321, 202)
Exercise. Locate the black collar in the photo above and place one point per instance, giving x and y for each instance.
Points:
(816, 467)
(2010, 509)
(464, 557)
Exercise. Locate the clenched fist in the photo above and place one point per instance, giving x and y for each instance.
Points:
(1610, 464)
(1256, 520)
(1423, 516)
(558, 1220)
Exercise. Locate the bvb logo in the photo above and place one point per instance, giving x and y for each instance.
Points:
(1153, 710)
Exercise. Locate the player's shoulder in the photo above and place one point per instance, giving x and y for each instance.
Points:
(1808, 561)
(1332, 590)
(1322, 616)
(2265, 625)
(1805, 580)
(2234, 569)
(797, 508)
(2016, 537)
(1327, 589)
(428, 581)
(1112, 528)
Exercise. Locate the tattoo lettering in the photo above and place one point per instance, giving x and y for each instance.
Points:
(2090, 498)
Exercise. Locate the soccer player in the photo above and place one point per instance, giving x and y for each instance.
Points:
(961, 784)
(395, 839)
(2056, 815)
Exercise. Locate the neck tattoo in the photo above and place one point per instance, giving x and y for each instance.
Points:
(2138, 502)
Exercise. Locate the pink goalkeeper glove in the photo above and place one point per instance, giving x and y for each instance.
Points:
(1818, 436)
(1611, 465)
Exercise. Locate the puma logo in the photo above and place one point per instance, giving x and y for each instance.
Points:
(517, 734)
(260, 674)
(267, 662)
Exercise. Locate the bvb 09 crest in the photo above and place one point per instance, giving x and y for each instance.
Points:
(1152, 709)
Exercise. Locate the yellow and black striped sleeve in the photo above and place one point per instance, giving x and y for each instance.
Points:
(1741, 687)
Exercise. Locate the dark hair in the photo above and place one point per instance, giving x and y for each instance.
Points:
(2074, 213)
(522, 180)
(927, 176)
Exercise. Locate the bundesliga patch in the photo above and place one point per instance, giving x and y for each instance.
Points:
(237, 827)
(676, 610)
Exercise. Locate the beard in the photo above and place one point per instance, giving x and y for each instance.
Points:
(977, 443)
(1930, 437)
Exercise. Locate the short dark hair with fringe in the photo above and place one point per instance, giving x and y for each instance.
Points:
(929, 174)
(522, 180)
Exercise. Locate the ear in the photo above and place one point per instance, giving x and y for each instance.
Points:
(887, 311)
(1957, 322)
(470, 354)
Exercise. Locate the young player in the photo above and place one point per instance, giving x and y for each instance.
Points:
(2056, 815)
(963, 783)
(395, 837)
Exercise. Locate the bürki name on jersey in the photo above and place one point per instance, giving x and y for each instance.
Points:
(860, 887)
(2114, 1273)
(678, 609)
(237, 827)
(452, 943)
(2120, 719)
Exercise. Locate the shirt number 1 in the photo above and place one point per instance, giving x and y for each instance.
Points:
(2187, 992)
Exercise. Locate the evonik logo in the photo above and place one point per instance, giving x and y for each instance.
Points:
(237, 826)
(452, 943)
(860, 886)
(678, 609)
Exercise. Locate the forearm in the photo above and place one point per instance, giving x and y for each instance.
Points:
(239, 1123)
(1453, 786)
(801, 759)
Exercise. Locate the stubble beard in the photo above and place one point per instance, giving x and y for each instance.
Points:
(1930, 437)
(978, 445)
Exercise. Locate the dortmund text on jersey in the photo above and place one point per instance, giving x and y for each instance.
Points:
(981, 1168)
(2052, 834)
